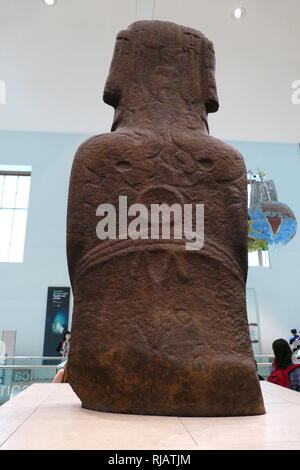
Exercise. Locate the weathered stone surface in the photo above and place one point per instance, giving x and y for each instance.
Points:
(158, 329)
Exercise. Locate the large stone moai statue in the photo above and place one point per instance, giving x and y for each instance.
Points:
(160, 327)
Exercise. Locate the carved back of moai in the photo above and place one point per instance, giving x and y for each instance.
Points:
(160, 328)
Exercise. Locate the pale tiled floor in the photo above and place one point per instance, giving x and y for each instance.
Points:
(50, 417)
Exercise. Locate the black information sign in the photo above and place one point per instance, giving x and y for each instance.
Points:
(57, 318)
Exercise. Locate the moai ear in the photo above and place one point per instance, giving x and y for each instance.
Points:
(211, 100)
(121, 67)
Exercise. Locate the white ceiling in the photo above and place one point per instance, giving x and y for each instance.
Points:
(55, 60)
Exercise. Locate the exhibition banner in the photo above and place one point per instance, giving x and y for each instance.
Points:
(57, 318)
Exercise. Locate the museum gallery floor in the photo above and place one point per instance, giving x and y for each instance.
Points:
(50, 416)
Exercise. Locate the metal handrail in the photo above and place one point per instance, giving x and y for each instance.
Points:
(60, 357)
(27, 367)
(263, 364)
(31, 357)
(264, 355)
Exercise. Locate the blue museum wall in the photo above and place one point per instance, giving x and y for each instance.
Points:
(23, 287)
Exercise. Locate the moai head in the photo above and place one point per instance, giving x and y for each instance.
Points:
(165, 62)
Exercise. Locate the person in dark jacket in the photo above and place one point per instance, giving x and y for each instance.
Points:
(295, 336)
(62, 345)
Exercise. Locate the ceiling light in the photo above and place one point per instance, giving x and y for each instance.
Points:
(238, 13)
(49, 3)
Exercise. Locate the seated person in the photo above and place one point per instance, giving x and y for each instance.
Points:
(62, 374)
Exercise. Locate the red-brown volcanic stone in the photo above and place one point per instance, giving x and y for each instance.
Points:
(158, 329)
